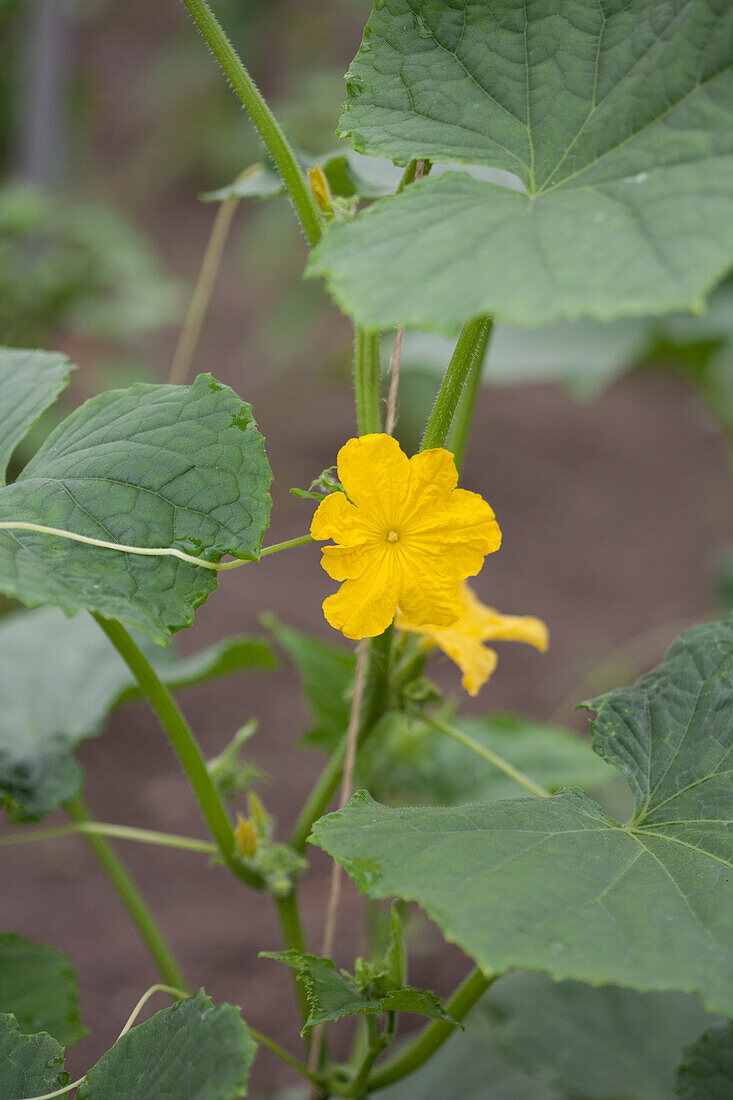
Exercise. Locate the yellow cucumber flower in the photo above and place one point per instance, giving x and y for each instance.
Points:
(462, 641)
(404, 534)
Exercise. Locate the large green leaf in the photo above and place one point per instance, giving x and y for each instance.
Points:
(407, 761)
(152, 466)
(30, 1065)
(707, 1070)
(59, 679)
(194, 1049)
(618, 120)
(29, 382)
(591, 1043)
(38, 985)
(333, 994)
(466, 1067)
(555, 884)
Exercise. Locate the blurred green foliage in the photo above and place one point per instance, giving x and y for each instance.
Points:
(80, 266)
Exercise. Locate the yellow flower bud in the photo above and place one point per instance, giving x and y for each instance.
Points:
(245, 835)
(320, 189)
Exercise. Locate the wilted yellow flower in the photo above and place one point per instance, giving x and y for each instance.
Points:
(405, 535)
(463, 640)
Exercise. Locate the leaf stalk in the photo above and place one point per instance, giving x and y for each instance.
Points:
(471, 340)
(262, 118)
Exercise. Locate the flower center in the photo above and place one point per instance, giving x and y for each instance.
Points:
(392, 536)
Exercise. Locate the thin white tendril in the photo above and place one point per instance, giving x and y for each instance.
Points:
(146, 551)
(177, 993)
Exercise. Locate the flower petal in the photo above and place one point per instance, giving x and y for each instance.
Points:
(365, 606)
(336, 518)
(433, 476)
(430, 590)
(345, 562)
(375, 473)
(476, 662)
(465, 518)
(462, 641)
(513, 628)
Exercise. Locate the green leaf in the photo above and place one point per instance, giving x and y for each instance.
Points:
(153, 466)
(30, 1065)
(618, 122)
(671, 735)
(593, 1044)
(707, 1070)
(466, 1067)
(326, 673)
(333, 994)
(59, 679)
(349, 175)
(408, 761)
(29, 382)
(557, 885)
(194, 1049)
(38, 986)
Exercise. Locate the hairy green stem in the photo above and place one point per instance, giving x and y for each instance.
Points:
(464, 413)
(492, 757)
(146, 924)
(367, 381)
(291, 929)
(451, 388)
(118, 832)
(433, 1036)
(262, 117)
(185, 746)
(376, 694)
(377, 1043)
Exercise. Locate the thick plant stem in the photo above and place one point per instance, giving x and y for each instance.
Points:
(375, 701)
(292, 933)
(433, 1036)
(146, 924)
(367, 381)
(493, 758)
(262, 117)
(185, 746)
(451, 388)
(464, 413)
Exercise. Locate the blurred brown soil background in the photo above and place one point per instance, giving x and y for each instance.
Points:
(612, 511)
